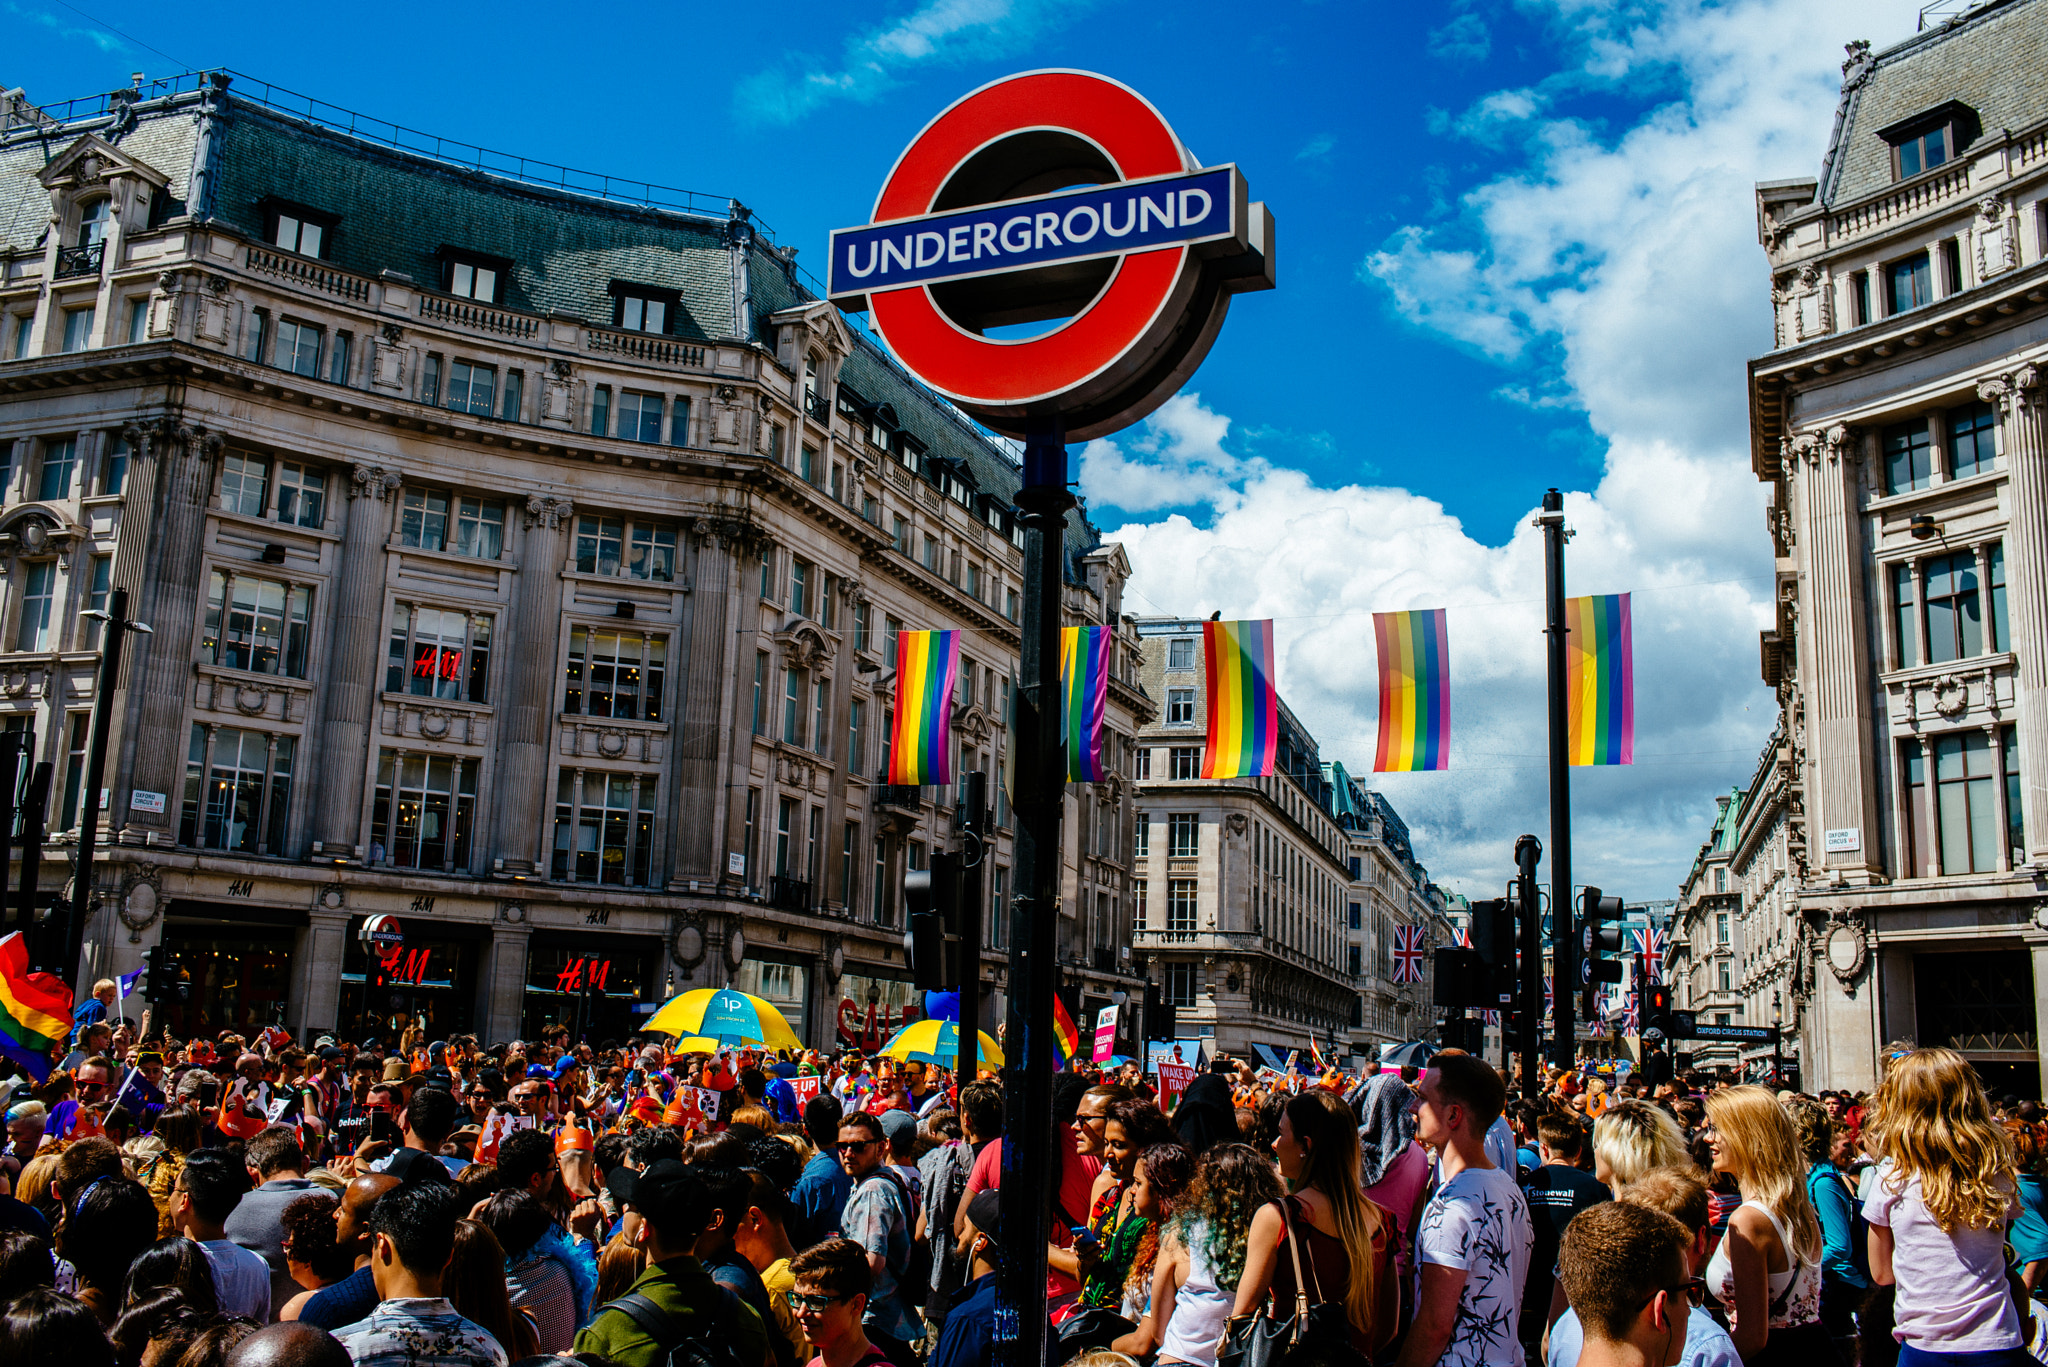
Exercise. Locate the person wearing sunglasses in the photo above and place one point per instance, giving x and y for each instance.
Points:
(1679, 1193)
(831, 1301)
(1626, 1270)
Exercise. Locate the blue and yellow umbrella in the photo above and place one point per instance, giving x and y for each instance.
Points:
(728, 1016)
(937, 1043)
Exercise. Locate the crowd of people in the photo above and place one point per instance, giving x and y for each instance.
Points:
(253, 1203)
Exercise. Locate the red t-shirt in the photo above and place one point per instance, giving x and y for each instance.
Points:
(1077, 1181)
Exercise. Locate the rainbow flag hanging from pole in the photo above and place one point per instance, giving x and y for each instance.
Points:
(35, 1010)
(1244, 707)
(1415, 691)
(1066, 1040)
(1084, 696)
(1600, 680)
(927, 671)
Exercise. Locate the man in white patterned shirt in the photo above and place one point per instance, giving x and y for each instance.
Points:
(412, 1236)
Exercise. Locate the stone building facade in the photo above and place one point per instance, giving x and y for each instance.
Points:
(523, 565)
(1247, 888)
(1898, 427)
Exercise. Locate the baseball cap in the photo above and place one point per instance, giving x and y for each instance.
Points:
(898, 1122)
(413, 1166)
(985, 1210)
(330, 1054)
(664, 1192)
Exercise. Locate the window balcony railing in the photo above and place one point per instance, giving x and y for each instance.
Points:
(818, 408)
(789, 894)
(80, 260)
(900, 795)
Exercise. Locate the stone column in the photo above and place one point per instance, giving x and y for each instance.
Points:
(696, 846)
(2018, 398)
(505, 982)
(159, 666)
(527, 718)
(832, 891)
(1837, 628)
(316, 976)
(342, 743)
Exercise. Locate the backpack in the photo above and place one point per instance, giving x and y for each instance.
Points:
(711, 1348)
(917, 1272)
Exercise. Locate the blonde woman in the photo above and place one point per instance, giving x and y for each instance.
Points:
(1938, 1209)
(1767, 1268)
(1634, 1137)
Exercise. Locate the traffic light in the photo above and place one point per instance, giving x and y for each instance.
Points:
(1160, 1019)
(1598, 942)
(1459, 978)
(1656, 1008)
(932, 899)
(1493, 935)
(162, 979)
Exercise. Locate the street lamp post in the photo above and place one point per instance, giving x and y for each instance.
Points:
(115, 627)
(1777, 1050)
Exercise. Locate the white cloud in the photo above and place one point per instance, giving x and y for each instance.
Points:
(1317, 148)
(872, 62)
(1613, 269)
(1464, 39)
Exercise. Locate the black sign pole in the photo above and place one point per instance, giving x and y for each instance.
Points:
(974, 812)
(1041, 771)
(46, 942)
(1564, 966)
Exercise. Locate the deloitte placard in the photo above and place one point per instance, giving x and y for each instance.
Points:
(1053, 195)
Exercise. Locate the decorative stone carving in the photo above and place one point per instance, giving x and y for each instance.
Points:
(251, 700)
(333, 897)
(686, 943)
(547, 512)
(1846, 949)
(1237, 822)
(374, 481)
(1997, 242)
(1951, 696)
(512, 912)
(1858, 64)
(2010, 390)
(434, 723)
(141, 901)
(611, 744)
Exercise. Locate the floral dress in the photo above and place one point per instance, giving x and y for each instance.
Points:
(1120, 1241)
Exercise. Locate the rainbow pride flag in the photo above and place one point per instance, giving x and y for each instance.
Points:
(1415, 691)
(1066, 1040)
(1244, 707)
(35, 1010)
(1600, 680)
(1084, 695)
(927, 670)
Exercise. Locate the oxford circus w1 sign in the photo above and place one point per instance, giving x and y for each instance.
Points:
(1053, 195)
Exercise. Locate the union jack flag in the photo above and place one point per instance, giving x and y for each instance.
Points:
(1489, 1017)
(1464, 940)
(1408, 950)
(1650, 944)
(1548, 1003)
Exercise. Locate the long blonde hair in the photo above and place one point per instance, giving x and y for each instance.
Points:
(1931, 1119)
(1634, 1137)
(1327, 1123)
(1757, 1137)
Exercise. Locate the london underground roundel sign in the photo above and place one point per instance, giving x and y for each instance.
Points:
(1044, 196)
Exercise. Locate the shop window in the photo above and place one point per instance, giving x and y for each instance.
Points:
(423, 980)
(256, 624)
(439, 653)
(616, 674)
(604, 827)
(237, 790)
(591, 987)
(436, 520)
(60, 460)
(238, 978)
(424, 810)
(613, 546)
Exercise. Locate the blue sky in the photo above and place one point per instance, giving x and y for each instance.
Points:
(1516, 250)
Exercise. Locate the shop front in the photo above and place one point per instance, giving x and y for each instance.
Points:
(1981, 1003)
(600, 988)
(235, 962)
(871, 1009)
(416, 971)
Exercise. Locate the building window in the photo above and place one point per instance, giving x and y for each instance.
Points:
(1180, 707)
(78, 327)
(747, 846)
(1973, 440)
(1354, 959)
(238, 787)
(849, 841)
(93, 220)
(113, 468)
(301, 494)
(1141, 763)
(1180, 984)
(1721, 928)
(424, 810)
(615, 674)
(1859, 299)
(477, 528)
(294, 233)
(23, 324)
(645, 550)
(1180, 653)
(931, 553)
(1966, 803)
(38, 596)
(60, 458)
(256, 624)
(639, 416)
(1919, 851)
(1183, 835)
(863, 622)
(473, 279)
(430, 378)
(807, 463)
(1357, 916)
(1905, 615)
(102, 576)
(1141, 836)
(513, 402)
(1185, 762)
(244, 484)
(604, 827)
(760, 692)
(1955, 628)
(1922, 150)
(792, 706)
(892, 634)
(138, 320)
(471, 388)
(856, 737)
(297, 347)
(2015, 826)
(640, 312)
(1908, 457)
(439, 653)
(899, 534)
(878, 885)
(74, 770)
(996, 933)
(785, 823)
(601, 410)
(1723, 967)
(1911, 281)
(799, 587)
(820, 700)
(1720, 880)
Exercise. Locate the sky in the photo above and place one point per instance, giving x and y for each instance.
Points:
(1516, 250)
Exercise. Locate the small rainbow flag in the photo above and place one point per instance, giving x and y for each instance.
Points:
(35, 1010)
(1244, 707)
(927, 670)
(1084, 696)
(1600, 680)
(1415, 691)
(1066, 1040)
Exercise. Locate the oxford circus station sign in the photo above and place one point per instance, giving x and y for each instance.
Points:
(1045, 196)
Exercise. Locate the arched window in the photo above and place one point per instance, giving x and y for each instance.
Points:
(93, 221)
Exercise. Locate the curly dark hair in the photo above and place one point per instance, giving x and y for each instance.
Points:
(1231, 1182)
(309, 1237)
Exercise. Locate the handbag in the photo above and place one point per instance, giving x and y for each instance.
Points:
(1318, 1332)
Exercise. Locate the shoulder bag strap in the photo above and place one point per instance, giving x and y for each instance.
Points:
(1300, 1287)
(658, 1324)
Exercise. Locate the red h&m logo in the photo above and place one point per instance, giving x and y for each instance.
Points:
(579, 974)
(406, 965)
(437, 664)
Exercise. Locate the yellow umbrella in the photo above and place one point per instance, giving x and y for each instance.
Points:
(727, 1016)
(937, 1043)
(696, 1044)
